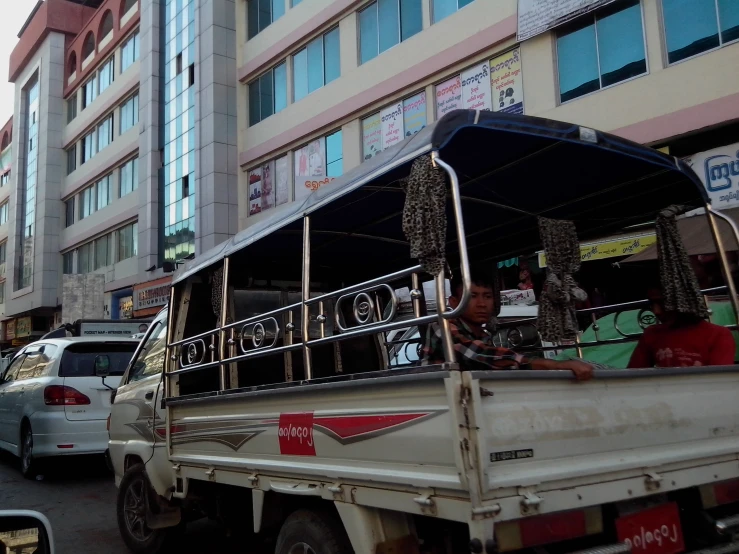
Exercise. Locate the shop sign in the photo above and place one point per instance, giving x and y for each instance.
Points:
(506, 80)
(538, 16)
(718, 169)
(610, 249)
(23, 327)
(125, 307)
(517, 297)
(10, 329)
(151, 297)
(115, 328)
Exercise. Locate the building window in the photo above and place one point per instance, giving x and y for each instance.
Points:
(105, 76)
(129, 177)
(185, 186)
(89, 92)
(72, 108)
(4, 178)
(316, 65)
(88, 202)
(2, 292)
(386, 23)
(268, 94)
(69, 212)
(128, 242)
(72, 159)
(3, 253)
(696, 26)
(104, 251)
(444, 8)
(85, 254)
(601, 50)
(261, 13)
(103, 192)
(105, 132)
(386, 128)
(130, 51)
(68, 263)
(27, 197)
(89, 146)
(4, 213)
(317, 163)
(130, 113)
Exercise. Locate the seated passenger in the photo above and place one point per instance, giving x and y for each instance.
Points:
(681, 340)
(473, 343)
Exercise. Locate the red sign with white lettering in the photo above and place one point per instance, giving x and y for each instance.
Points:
(653, 531)
(295, 432)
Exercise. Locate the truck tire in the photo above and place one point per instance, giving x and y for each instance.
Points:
(307, 532)
(131, 510)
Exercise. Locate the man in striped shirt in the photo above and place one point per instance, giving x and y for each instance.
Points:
(473, 343)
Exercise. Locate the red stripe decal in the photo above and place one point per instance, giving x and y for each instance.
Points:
(351, 426)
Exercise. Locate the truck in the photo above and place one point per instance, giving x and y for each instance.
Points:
(267, 393)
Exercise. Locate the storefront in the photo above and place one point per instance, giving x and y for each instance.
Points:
(121, 304)
(149, 298)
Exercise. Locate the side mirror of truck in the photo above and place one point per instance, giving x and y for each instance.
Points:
(26, 530)
(102, 365)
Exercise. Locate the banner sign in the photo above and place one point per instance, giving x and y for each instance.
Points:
(371, 136)
(476, 88)
(719, 171)
(310, 168)
(506, 80)
(610, 248)
(538, 16)
(392, 125)
(448, 96)
(414, 114)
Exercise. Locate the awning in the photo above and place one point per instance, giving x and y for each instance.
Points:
(610, 248)
(697, 237)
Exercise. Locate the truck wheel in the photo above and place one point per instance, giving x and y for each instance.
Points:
(306, 532)
(131, 507)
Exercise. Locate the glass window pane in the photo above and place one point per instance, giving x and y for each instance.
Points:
(265, 92)
(278, 9)
(578, 63)
(280, 87)
(265, 14)
(443, 8)
(253, 17)
(729, 15)
(334, 155)
(332, 58)
(255, 111)
(315, 65)
(368, 39)
(691, 27)
(389, 23)
(411, 18)
(621, 45)
(300, 75)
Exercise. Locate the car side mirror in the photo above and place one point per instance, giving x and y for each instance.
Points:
(102, 365)
(25, 530)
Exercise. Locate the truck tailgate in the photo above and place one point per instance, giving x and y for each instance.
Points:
(544, 430)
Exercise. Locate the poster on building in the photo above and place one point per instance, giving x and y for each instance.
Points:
(23, 327)
(10, 329)
(506, 80)
(414, 114)
(310, 168)
(538, 16)
(281, 176)
(448, 96)
(268, 186)
(255, 191)
(719, 171)
(125, 307)
(371, 136)
(476, 88)
(392, 125)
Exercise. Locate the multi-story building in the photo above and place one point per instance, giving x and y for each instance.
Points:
(326, 84)
(125, 133)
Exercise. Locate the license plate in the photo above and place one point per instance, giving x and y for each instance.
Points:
(653, 531)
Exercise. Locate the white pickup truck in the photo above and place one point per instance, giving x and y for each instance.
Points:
(265, 395)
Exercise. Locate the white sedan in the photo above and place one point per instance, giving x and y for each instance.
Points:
(53, 403)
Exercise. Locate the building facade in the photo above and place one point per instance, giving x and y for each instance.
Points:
(117, 129)
(326, 84)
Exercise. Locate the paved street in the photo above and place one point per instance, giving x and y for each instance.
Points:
(78, 497)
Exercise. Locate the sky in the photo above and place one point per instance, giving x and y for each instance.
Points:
(14, 14)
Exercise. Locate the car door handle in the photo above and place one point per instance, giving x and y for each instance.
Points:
(149, 395)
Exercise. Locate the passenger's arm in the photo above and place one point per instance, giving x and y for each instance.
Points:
(583, 371)
(481, 352)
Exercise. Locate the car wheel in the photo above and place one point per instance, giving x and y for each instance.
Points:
(131, 506)
(29, 466)
(307, 532)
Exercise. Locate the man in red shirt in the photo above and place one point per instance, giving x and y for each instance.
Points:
(681, 340)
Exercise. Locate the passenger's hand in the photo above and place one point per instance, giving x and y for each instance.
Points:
(583, 371)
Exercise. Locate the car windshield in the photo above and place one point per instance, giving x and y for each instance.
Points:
(78, 360)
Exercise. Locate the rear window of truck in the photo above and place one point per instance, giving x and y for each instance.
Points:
(78, 360)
